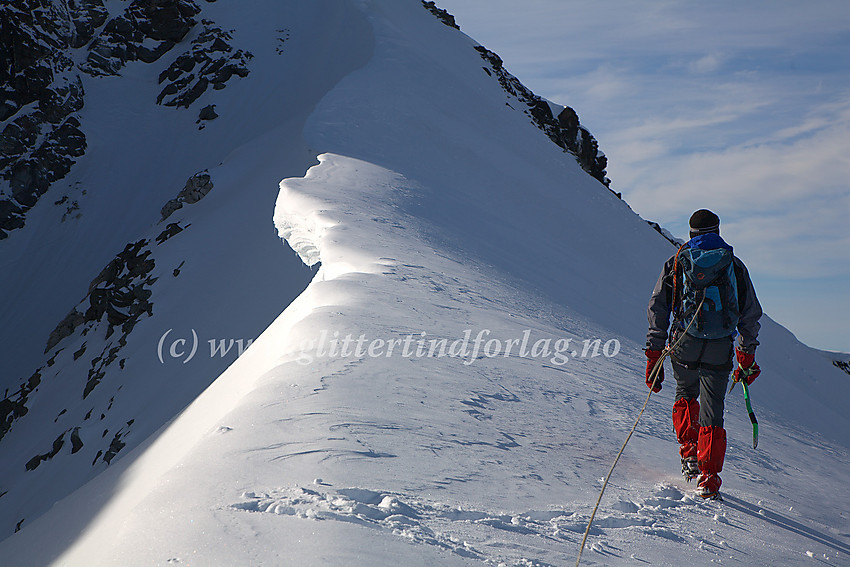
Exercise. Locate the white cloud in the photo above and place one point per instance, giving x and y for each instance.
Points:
(706, 64)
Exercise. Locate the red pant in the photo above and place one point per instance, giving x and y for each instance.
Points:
(707, 444)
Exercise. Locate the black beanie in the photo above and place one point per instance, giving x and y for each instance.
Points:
(704, 221)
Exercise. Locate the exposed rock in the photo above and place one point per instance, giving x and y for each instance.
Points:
(64, 329)
(33, 463)
(170, 230)
(208, 113)
(87, 15)
(144, 32)
(662, 231)
(211, 61)
(115, 446)
(39, 96)
(41, 92)
(169, 208)
(76, 442)
(441, 14)
(564, 130)
(196, 188)
(119, 296)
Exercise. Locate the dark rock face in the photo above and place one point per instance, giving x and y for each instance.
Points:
(119, 296)
(441, 14)
(33, 463)
(40, 133)
(41, 94)
(144, 32)
(660, 230)
(41, 91)
(111, 452)
(211, 62)
(208, 113)
(87, 16)
(196, 188)
(14, 406)
(565, 129)
(120, 291)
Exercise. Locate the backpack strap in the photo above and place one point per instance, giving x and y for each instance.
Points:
(676, 300)
(741, 290)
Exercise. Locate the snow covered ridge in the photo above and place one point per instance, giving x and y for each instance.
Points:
(435, 207)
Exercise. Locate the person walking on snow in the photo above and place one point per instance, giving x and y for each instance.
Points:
(706, 286)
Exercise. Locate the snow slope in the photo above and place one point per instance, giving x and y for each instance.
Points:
(225, 276)
(437, 211)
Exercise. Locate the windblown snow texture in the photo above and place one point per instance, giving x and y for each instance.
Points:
(385, 151)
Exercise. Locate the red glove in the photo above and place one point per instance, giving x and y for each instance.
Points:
(652, 357)
(747, 369)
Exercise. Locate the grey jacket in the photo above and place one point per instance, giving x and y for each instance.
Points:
(658, 312)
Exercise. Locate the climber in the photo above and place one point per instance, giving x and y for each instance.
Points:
(706, 286)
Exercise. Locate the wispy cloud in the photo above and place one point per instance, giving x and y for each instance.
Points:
(708, 63)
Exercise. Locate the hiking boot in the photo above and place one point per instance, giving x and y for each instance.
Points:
(708, 486)
(690, 470)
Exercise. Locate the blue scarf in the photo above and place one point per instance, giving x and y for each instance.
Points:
(709, 241)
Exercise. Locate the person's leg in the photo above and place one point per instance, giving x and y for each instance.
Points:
(712, 386)
(686, 411)
(711, 446)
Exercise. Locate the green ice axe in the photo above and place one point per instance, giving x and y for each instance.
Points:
(749, 407)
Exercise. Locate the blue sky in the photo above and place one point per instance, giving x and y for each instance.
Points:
(740, 107)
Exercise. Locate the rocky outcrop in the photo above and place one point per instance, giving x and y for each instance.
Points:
(208, 113)
(33, 463)
(144, 32)
(211, 62)
(87, 16)
(41, 93)
(119, 297)
(441, 14)
(120, 292)
(564, 129)
(196, 188)
(14, 406)
(665, 233)
(111, 451)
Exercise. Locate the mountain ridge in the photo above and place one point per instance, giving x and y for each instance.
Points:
(475, 222)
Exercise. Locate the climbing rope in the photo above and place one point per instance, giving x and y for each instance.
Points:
(654, 376)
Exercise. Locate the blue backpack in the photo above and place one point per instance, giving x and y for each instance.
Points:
(709, 274)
